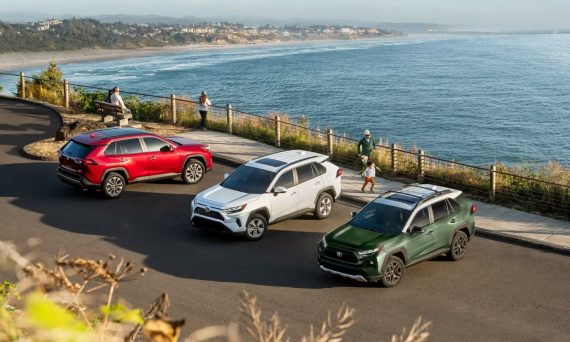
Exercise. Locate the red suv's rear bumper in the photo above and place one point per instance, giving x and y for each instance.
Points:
(73, 178)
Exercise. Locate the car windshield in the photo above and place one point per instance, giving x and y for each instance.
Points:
(249, 179)
(381, 218)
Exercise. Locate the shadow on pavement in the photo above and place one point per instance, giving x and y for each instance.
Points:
(156, 225)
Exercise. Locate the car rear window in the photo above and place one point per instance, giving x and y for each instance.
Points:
(77, 150)
(439, 210)
(129, 146)
(304, 173)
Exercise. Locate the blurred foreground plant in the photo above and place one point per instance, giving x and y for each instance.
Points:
(55, 301)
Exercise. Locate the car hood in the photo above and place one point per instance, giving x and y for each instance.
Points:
(185, 141)
(220, 197)
(357, 238)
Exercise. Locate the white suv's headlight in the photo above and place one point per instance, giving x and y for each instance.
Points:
(370, 252)
(234, 210)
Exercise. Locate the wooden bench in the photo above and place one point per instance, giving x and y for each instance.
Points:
(110, 112)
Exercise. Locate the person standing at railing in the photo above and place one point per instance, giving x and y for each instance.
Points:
(366, 147)
(203, 107)
(117, 100)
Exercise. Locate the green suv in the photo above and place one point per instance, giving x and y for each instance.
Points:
(398, 229)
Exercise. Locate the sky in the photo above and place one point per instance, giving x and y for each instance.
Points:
(481, 14)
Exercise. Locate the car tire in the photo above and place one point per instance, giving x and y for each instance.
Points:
(459, 245)
(324, 206)
(113, 185)
(193, 171)
(255, 227)
(392, 272)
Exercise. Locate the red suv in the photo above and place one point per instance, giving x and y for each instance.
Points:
(111, 158)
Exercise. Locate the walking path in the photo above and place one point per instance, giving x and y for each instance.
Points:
(492, 220)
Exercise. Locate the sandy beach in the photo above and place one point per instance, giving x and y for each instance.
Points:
(17, 61)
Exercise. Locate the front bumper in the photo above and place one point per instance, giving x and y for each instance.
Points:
(74, 178)
(347, 264)
(217, 220)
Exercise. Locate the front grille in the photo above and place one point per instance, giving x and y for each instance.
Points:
(341, 255)
(213, 214)
(68, 173)
(210, 225)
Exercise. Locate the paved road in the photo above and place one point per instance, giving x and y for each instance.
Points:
(499, 292)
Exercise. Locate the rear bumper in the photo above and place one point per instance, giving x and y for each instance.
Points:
(74, 179)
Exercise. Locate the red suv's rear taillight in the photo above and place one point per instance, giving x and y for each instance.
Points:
(88, 162)
(473, 208)
(339, 172)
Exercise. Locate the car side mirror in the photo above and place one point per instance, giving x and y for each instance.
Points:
(353, 213)
(226, 175)
(416, 230)
(280, 190)
(167, 148)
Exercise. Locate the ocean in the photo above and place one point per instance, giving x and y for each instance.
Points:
(476, 99)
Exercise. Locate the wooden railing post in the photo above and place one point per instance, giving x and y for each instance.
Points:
(173, 108)
(229, 113)
(66, 93)
(421, 171)
(22, 85)
(330, 141)
(277, 131)
(394, 157)
(492, 182)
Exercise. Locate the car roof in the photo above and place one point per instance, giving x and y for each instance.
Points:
(277, 161)
(410, 196)
(99, 135)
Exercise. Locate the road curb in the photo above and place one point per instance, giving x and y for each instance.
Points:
(22, 151)
(38, 103)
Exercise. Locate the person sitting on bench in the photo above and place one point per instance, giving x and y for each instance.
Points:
(117, 100)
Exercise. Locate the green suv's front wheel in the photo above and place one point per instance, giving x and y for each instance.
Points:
(393, 271)
(255, 227)
(458, 246)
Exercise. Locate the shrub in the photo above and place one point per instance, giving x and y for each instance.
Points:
(46, 86)
(83, 100)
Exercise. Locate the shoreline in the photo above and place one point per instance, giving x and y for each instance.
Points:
(24, 60)
(17, 61)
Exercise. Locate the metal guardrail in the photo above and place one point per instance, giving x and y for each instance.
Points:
(491, 184)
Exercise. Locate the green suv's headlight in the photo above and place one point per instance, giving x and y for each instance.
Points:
(234, 210)
(370, 252)
(322, 244)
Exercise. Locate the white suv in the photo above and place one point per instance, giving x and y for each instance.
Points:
(268, 189)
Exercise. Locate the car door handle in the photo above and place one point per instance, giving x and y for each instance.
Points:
(152, 158)
(294, 192)
(452, 220)
(318, 183)
(122, 160)
(429, 232)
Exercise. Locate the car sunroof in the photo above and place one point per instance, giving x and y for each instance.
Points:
(271, 162)
(404, 198)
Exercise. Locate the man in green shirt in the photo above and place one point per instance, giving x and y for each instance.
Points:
(366, 146)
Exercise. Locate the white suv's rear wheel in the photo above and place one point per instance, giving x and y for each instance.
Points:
(323, 208)
(255, 227)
